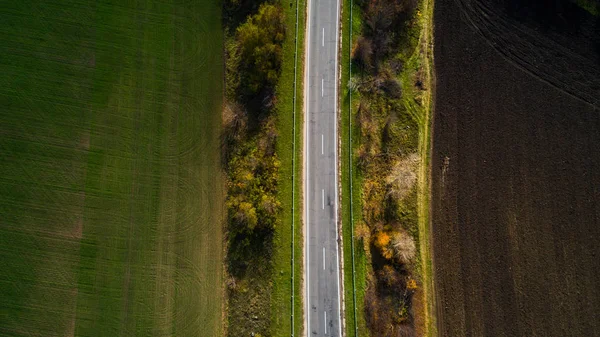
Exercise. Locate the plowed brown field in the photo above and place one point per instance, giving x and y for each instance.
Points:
(516, 171)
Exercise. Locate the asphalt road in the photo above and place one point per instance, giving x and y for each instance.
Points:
(320, 197)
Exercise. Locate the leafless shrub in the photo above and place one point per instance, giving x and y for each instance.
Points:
(403, 176)
(353, 84)
(404, 247)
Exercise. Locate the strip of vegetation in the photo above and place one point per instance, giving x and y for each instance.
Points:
(281, 305)
(258, 139)
(390, 87)
(254, 38)
(353, 286)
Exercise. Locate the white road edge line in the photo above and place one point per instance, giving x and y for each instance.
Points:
(335, 98)
(307, 170)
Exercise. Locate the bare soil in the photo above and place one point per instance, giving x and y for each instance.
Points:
(516, 170)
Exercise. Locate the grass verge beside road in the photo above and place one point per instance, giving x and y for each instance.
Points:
(281, 322)
(354, 327)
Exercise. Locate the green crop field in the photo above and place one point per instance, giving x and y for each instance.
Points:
(111, 192)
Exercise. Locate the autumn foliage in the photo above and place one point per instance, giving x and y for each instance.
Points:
(388, 159)
(253, 65)
(260, 41)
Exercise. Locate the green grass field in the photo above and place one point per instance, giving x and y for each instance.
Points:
(111, 193)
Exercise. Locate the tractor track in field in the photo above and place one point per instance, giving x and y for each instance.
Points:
(549, 56)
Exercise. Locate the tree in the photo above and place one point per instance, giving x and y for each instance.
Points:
(382, 241)
(244, 214)
(260, 39)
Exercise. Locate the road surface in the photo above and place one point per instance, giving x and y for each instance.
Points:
(320, 148)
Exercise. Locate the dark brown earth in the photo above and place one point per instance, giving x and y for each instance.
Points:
(516, 171)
